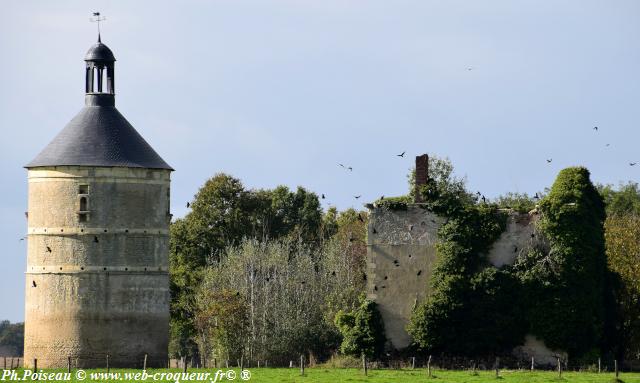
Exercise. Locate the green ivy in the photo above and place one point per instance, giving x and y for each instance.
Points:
(473, 309)
(565, 286)
(556, 292)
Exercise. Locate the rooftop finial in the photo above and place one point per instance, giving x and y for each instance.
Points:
(97, 19)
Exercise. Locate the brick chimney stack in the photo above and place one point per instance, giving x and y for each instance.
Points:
(422, 175)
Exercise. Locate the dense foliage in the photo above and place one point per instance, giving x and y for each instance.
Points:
(265, 274)
(267, 247)
(472, 306)
(565, 286)
(12, 337)
(222, 214)
(477, 309)
(623, 253)
(625, 200)
(362, 330)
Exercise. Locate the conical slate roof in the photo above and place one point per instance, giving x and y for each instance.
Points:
(99, 136)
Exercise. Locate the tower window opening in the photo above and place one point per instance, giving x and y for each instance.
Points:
(96, 80)
(105, 80)
(83, 189)
(83, 204)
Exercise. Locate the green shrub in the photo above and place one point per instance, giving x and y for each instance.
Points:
(362, 330)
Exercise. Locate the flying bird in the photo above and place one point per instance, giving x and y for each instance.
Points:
(323, 196)
(375, 231)
(342, 166)
(595, 128)
(381, 198)
(607, 145)
(188, 205)
(536, 196)
(549, 160)
(33, 283)
(357, 196)
(350, 168)
(360, 218)
(632, 163)
(48, 249)
(95, 239)
(401, 154)
(96, 13)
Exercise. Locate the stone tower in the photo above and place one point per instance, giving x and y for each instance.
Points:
(97, 283)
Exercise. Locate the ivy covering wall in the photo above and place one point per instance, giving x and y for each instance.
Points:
(556, 293)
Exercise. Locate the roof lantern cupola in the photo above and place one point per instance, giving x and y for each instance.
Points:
(99, 76)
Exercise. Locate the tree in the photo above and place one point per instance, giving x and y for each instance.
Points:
(622, 236)
(222, 214)
(285, 285)
(624, 200)
(362, 330)
(222, 320)
(12, 337)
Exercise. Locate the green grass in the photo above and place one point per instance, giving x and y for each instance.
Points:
(285, 375)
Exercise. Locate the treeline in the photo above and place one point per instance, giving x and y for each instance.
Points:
(11, 338)
(262, 274)
(268, 275)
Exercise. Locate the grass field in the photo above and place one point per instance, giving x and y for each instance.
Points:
(326, 375)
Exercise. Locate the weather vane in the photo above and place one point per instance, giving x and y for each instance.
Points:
(97, 19)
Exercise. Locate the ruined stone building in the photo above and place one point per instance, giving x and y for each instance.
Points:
(97, 283)
(401, 255)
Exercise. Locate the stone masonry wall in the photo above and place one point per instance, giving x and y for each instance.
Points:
(401, 254)
(100, 285)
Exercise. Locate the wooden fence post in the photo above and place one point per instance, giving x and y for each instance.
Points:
(35, 365)
(215, 363)
(144, 364)
(11, 368)
(559, 367)
(413, 362)
(5, 363)
(429, 366)
(533, 363)
(291, 364)
(497, 366)
(599, 369)
(107, 362)
(242, 363)
(615, 366)
(184, 364)
(364, 364)
(258, 363)
(69, 364)
(301, 365)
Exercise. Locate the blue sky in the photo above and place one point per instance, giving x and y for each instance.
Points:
(280, 92)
